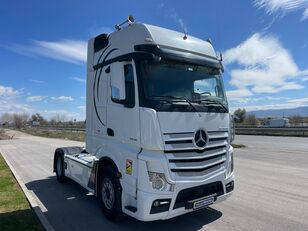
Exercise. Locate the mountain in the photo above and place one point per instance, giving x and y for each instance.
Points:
(301, 111)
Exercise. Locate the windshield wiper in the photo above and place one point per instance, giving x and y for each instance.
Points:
(213, 102)
(177, 98)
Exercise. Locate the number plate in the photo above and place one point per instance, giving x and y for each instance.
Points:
(203, 202)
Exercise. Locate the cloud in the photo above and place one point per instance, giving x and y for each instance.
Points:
(35, 98)
(83, 107)
(262, 65)
(62, 98)
(9, 100)
(283, 7)
(235, 95)
(305, 15)
(79, 79)
(301, 101)
(73, 51)
(37, 81)
(8, 92)
(13, 107)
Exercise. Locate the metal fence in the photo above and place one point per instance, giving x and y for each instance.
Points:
(288, 131)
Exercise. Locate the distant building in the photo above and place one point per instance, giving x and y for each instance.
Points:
(35, 123)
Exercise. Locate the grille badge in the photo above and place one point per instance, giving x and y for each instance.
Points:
(200, 138)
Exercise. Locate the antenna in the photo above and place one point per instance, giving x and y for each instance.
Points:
(185, 35)
(130, 19)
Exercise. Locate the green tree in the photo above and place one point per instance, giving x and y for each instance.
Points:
(240, 115)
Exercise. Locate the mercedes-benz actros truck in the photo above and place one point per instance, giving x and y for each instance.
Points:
(158, 128)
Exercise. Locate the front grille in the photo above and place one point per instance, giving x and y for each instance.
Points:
(194, 193)
(186, 160)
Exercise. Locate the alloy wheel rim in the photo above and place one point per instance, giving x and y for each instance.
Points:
(107, 193)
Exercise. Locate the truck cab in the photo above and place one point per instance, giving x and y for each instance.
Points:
(158, 128)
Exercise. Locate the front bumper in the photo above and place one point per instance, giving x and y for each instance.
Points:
(146, 199)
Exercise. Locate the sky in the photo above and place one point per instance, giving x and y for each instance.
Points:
(43, 46)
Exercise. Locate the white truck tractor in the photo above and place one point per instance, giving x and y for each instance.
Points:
(158, 128)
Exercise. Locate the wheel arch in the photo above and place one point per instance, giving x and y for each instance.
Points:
(100, 164)
(65, 151)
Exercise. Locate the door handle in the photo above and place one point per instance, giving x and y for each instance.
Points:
(110, 132)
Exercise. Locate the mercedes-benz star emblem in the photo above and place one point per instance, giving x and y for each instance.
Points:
(200, 138)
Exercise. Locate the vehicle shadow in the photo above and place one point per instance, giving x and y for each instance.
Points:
(71, 207)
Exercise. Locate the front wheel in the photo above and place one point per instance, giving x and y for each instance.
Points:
(60, 173)
(110, 194)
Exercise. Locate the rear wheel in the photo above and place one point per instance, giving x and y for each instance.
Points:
(60, 169)
(110, 194)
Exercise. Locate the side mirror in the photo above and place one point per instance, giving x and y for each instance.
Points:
(117, 81)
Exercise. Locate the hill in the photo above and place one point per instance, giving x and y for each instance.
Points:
(301, 111)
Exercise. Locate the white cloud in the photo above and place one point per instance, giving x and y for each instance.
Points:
(285, 103)
(83, 107)
(8, 92)
(263, 66)
(62, 98)
(10, 106)
(79, 79)
(303, 101)
(283, 7)
(235, 95)
(73, 51)
(305, 15)
(35, 98)
(9, 101)
(36, 81)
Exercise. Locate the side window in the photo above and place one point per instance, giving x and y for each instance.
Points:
(128, 100)
(129, 85)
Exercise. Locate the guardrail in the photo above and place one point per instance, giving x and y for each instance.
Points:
(76, 129)
(290, 131)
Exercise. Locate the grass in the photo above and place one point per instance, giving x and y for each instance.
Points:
(15, 211)
(238, 145)
(67, 135)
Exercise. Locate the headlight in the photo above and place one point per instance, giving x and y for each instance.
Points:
(159, 182)
(230, 165)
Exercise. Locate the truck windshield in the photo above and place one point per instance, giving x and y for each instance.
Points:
(173, 82)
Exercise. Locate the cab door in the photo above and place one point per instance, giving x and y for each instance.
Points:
(122, 107)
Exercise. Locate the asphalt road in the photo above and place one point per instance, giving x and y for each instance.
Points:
(271, 190)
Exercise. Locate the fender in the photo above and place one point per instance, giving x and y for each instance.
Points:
(66, 151)
(97, 168)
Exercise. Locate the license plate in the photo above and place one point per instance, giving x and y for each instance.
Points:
(203, 202)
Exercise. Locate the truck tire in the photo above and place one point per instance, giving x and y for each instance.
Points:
(60, 173)
(111, 194)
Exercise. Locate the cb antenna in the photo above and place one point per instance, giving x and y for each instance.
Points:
(185, 35)
(130, 19)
